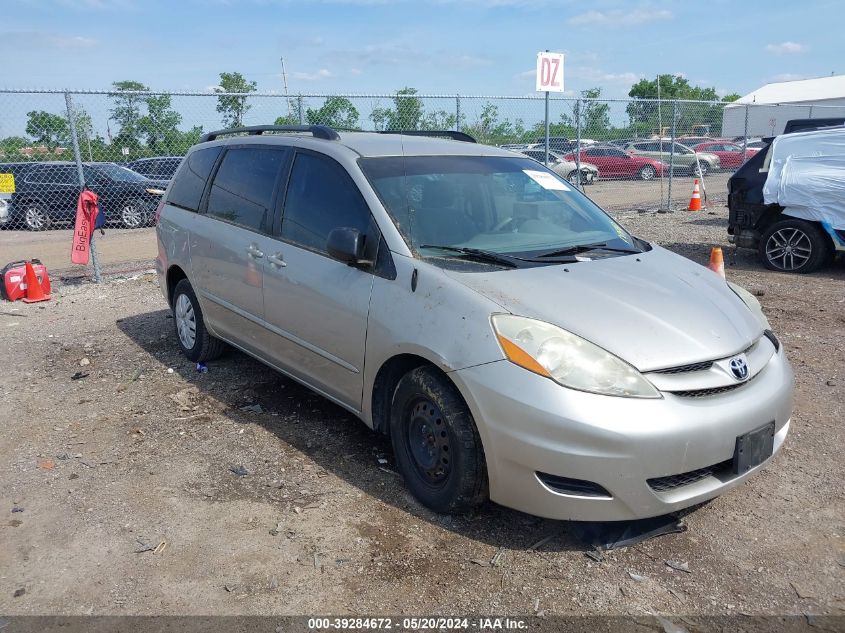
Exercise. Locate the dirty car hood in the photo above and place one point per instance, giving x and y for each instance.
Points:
(654, 309)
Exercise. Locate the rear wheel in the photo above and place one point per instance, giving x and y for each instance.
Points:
(648, 173)
(196, 343)
(794, 246)
(437, 446)
(133, 214)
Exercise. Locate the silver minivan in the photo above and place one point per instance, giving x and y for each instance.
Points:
(514, 341)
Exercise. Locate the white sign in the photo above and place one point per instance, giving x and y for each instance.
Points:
(545, 180)
(550, 72)
(125, 151)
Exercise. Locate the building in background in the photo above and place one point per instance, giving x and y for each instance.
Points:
(770, 107)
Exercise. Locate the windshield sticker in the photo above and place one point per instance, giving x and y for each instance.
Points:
(545, 180)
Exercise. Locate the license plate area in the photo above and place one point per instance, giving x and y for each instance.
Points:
(753, 448)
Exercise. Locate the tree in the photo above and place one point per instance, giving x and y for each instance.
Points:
(160, 124)
(407, 113)
(730, 98)
(295, 115)
(127, 111)
(595, 117)
(337, 112)
(47, 129)
(438, 120)
(644, 116)
(232, 107)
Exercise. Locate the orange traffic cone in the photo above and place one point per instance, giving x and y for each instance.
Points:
(34, 291)
(695, 201)
(717, 261)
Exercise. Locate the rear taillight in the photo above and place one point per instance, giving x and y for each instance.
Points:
(158, 210)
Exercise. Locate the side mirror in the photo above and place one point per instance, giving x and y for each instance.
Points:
(346, 245)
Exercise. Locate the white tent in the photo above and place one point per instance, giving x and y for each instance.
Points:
(769, 108)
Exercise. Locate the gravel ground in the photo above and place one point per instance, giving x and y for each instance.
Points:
(123, 491)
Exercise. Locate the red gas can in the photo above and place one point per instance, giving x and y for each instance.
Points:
(14, 279)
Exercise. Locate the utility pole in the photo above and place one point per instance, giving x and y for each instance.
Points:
(285, 82)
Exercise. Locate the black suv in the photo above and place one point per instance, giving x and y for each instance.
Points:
(157, 167)
(48, 192)
(559, 144)
(754, 224)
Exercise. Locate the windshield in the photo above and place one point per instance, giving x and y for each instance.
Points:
(113, 172)
(503, 205)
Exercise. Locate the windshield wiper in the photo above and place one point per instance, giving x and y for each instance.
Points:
(582, 248)
(481, 255)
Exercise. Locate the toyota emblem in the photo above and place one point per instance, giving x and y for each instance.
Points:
(739, 368)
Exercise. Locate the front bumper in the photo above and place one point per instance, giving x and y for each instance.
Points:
(529, 424)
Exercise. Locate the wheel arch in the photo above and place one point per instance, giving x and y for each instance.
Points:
(175, 274)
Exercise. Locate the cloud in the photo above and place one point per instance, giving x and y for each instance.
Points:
(786, 48)
(355, 71)
(323, 73)
(43, 39)
(402, 54)
(597, 75)
(619, 17)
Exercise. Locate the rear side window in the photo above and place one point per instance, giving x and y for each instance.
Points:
(321, 197)
(242, 191)
(189, 183)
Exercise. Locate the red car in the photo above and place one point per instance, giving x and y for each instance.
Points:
(730, 154)
(617, 163)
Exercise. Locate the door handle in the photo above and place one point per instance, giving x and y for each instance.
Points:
(252, 251)
(276, 260)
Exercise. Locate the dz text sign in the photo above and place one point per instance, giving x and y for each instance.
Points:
(550, 72)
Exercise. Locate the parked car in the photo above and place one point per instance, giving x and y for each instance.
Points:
(684, 158)
(786, 200)
(558, 144)
(513, 340)
(623, 142)
(157, 167)
(48, 192)
(566, 168)
(12, 175)
(730, 155)
(614, 162)
(690, 141)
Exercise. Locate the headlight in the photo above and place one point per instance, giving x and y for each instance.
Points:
(154, 191)
(751, 303)
(568, 359)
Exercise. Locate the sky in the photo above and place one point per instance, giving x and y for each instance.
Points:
(482, 47)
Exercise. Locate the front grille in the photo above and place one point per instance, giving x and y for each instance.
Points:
(682, 369)
(577, 487)
(702, 393)
(670, 482)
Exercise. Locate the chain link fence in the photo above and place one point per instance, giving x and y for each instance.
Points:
(126, 145)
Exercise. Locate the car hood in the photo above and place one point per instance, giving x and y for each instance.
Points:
(707, 155)
(654, 309)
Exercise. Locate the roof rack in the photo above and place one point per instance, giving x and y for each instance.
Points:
(319, 131)
(451, 134)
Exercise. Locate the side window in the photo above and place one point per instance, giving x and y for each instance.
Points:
(189, 182)
(242, 191)
(53, 175)
(321, 197)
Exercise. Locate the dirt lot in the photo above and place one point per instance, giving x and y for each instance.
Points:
(118, 495)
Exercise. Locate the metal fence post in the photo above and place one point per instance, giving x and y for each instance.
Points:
(745, 136)
(71, 119)
(547, 129)
(458, 112)
(672, 154)
(578, 142)
(300, 109)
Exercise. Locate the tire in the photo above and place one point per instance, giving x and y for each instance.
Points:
(647, 173)
(133, 214)
(35, 217)
(573, 179)
(436, 443)
(700, 169)
(794, 246)
(196, 343)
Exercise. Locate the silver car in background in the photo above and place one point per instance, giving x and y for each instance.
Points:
(513, 340)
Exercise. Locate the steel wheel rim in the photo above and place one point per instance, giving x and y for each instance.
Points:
(131, 216)
(34, 218)
(186, 322)
(789, 248)
(428, 442)
(647, 173)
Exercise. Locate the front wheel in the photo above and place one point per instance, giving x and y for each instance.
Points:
(196, 343)
(36, 217)
(701, 168)
(794, 246)
(436, 443)
(133, 214)
(573, 178)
